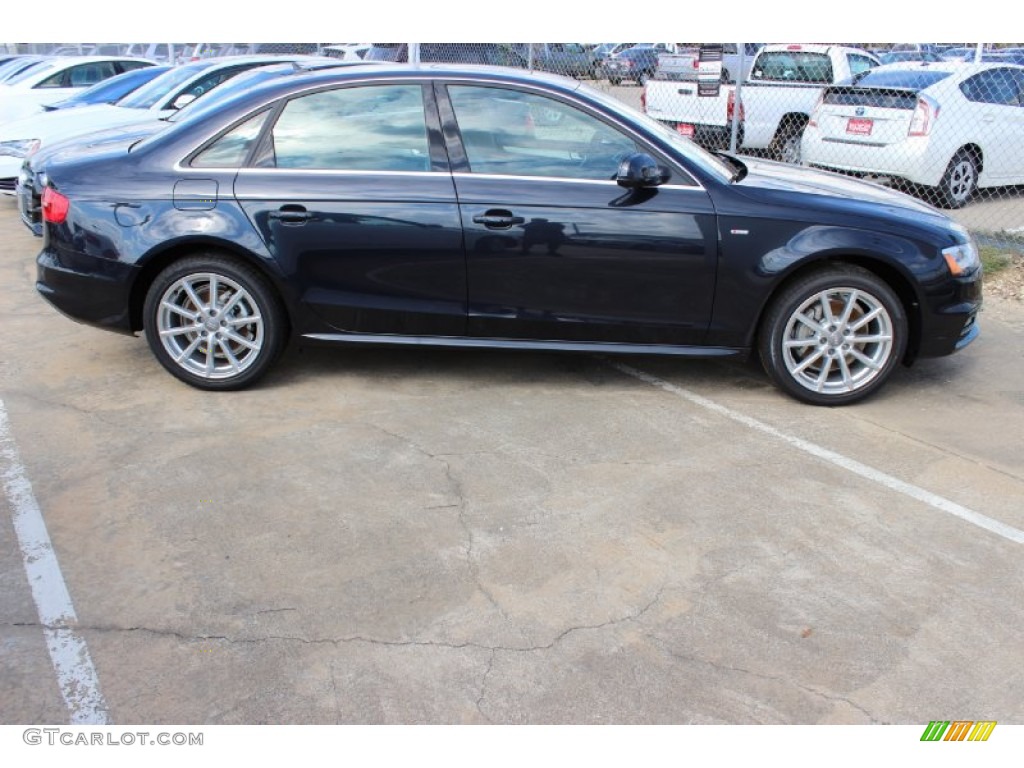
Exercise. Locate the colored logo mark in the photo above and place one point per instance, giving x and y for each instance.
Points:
(958, 730)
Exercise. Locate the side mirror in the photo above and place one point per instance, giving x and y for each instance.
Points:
(641, 170)
(183, 100)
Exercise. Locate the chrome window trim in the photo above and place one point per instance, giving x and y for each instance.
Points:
(427, 76)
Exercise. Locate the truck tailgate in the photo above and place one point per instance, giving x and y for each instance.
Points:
(678, 102)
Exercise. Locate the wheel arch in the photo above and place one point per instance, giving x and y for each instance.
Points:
(157, 260)
(789, 122)
(893, 277)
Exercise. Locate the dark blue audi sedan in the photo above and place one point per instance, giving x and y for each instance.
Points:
(485, 207)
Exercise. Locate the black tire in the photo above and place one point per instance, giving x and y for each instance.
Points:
(214, 322)
(786, 144)
(824, 359)
(615, 80)
(960, 181)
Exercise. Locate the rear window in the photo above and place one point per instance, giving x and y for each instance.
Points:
(913, 79)
(870, 97)
(796, 66)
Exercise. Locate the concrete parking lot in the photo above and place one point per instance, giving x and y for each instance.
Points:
(412, 536)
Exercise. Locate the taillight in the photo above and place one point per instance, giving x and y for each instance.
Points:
(55, 206)
(730, 107)
(925, 114)
(813, 121)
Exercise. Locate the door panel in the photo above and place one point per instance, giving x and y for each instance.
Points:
(589, 261)
(556, 250)
(349, 197)
(371, 253)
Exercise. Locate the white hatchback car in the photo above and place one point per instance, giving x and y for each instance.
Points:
(951, 126)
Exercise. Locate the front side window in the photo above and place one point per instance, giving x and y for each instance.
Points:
(90, 74)
(523, 134)
(364, 128)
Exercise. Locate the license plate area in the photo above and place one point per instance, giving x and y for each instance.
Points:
(860, 126)
(685, 129)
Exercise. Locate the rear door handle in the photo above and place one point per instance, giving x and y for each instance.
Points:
(291, 214)
(498, 219)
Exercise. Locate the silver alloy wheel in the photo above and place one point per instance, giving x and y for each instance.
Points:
(838, 341)
(962, 178)
(210, 325)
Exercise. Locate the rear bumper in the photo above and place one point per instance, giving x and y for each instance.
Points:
(915, 159)
(87, 289)
(30, 207)
(709, 136)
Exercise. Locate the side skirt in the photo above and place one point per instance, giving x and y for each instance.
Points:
(593, 347)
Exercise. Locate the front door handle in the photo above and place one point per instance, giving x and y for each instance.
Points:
(498, 219)
(291, 214)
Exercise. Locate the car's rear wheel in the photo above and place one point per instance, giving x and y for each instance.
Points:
(214, 322)
(834, 336)
(960, 181)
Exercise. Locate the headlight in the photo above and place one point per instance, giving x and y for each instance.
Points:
(20, 148)
(962, 258)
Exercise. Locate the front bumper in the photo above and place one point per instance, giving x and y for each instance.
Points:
(950, 320)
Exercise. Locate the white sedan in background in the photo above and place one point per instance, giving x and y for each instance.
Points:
(56, 79)
(158, 99)
(953, 127)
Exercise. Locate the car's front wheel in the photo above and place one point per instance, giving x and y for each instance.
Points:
(834, 336)
(214, 322)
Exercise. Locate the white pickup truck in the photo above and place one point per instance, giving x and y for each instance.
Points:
(776, 101)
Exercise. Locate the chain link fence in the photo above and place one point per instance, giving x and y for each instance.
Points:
(941, 122)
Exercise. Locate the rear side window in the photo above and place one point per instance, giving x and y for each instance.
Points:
(795, 66)
(231, 149)
(996, 86)
(365, 128)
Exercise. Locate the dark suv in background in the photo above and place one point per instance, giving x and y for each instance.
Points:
(637, 63)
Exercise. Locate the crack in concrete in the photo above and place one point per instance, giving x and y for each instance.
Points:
(461, 504)
(761, 676)
(192, 638)
(483, 687)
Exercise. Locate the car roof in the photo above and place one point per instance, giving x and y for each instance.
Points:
(953, 67)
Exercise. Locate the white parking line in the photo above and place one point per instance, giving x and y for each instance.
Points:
(919, 494)
(76, 675)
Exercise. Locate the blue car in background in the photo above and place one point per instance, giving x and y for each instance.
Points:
(109, 91)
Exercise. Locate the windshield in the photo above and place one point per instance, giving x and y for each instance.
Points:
(688, 149)
(16, 66)
(116, 87)
(36, 69)
(161, 87)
